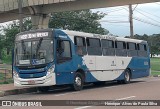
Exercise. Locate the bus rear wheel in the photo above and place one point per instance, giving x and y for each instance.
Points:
(127, 76)
(78, 82)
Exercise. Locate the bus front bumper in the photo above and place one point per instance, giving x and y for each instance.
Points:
(48, 80)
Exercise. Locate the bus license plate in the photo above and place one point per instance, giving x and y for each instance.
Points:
(31, 82)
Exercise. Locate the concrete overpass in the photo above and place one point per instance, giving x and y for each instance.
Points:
(39, 9)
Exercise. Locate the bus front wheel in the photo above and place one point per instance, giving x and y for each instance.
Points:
(127, 76)
(78, 82)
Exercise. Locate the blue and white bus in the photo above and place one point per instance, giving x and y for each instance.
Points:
(49, 57)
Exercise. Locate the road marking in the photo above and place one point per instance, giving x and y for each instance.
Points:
(83, 107)
(66, 94)
(125, 98)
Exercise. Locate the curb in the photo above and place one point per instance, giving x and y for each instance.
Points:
(156, 75)
(17, 91)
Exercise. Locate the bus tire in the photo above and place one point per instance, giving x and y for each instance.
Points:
(127, 76)
(43, 89)
(78, 82)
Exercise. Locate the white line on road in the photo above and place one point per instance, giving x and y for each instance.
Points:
(125, 98)
(83, 107)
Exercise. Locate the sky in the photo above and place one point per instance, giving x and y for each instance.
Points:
(117, 19)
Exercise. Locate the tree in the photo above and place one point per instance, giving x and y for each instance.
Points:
(10, 32)
(153, 42)
(84, 20)
(27, 24)
(154, 50)
(1, 46)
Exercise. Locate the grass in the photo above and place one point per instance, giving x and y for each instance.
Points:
(8, 79)
(7, 60)
(155, 66)
(155, 73)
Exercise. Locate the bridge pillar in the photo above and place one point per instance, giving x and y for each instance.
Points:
(40, 21)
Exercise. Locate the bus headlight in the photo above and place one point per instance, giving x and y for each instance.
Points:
(50, 70)
(15, 74)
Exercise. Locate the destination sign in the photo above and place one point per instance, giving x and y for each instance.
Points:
(33, 35)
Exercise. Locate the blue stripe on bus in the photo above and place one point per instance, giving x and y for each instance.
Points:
(73, 65)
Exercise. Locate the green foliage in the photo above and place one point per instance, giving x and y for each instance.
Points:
(6, 58)
(27, 24)
(10, 32)
(2, 79)
(153, 41)
(155, 63)
(1, 46)
(83, 20)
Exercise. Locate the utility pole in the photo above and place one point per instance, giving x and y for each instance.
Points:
(20, 15)
(131, 21)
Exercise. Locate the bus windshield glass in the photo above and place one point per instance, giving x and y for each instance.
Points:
(34, 52)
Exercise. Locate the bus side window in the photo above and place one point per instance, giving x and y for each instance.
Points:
(80, 45)
(142, 50)
(108, 47)
(121, 48)
(132, 49)
(63, 50)
(94, 46)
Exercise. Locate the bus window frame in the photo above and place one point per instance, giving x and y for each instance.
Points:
(88, 45)
(63, 59)
(80, 47)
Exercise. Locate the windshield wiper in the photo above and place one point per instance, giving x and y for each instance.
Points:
(23, 47)
(38, 46)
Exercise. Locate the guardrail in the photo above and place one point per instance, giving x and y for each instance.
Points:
(5, 76)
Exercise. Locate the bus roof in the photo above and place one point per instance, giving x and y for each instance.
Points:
(84, 34)
(109, 37)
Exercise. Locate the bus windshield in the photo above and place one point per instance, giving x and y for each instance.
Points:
(34, 52)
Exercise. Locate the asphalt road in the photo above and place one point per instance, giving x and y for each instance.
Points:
(139, 89)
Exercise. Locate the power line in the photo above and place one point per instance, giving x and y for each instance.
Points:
(144, 21)
(147, 22)
(135, 7)
(115, 10)
(113, 21)
(148, 13)
(117, 25)
(147, 16)
(117, 15)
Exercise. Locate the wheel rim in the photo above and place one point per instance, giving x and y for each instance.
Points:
(127, 76)
(78, 81)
